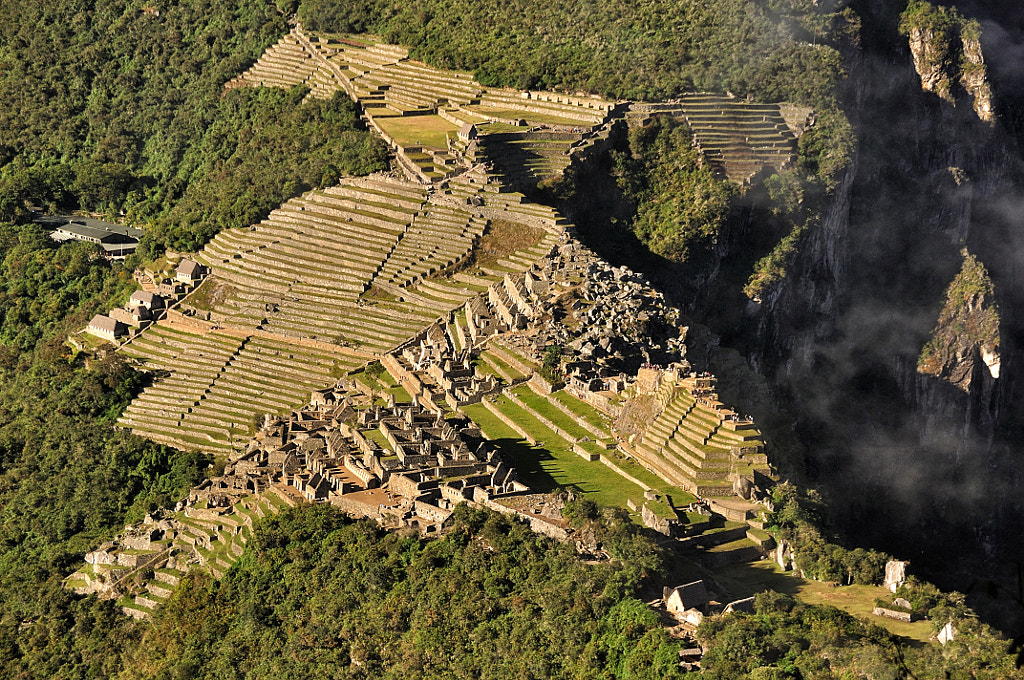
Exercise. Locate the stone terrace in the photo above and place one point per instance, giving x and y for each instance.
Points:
(218, 383)
(327, 281)
(388, 85)
(285, 64)
(699, 444)
(737, 137)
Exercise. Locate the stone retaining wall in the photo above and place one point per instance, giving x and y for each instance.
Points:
(537, 524)
(896, 614)
(544, 421)
(508, 421)
(579, 420)
(622, 473)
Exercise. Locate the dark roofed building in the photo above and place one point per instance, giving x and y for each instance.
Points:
(690, 596)
(116, 240)
(467, 132)
(104, 327)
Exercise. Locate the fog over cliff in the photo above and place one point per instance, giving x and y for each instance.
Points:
(912, 463)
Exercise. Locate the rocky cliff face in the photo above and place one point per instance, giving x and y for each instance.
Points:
(797, 316)
(963, 352)
(967, 332)
(886, 338)
(946, 49)
(974, 79)
(933, 62)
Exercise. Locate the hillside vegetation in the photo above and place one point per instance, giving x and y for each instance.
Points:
(772, 50)
(122, 110)
(320, 595)
(67, 479)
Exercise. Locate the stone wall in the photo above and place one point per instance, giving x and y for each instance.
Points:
(537, 524)
(544, 421)
(489, 405)
(663, 525)
(896, 614)
(579, 420)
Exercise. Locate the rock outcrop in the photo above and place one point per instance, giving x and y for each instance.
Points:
(947, 54)
(964, 345)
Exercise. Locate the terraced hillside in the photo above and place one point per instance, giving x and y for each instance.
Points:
(419, 110)
(698, 444)
(529, 157)
(303, 271)
(326, 282)
(216, 383)
(738, 137)
(386, 82)
(287, 63)
(144, 573)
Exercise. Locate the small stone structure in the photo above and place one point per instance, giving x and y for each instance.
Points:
(190, 272)
(895, 574)
(687, 602)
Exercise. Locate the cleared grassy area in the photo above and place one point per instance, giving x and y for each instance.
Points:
(431, 131)
(552, 465)
(402, 395)
(377, 436)
(549, 118)
(485, 368)
(493, 360)
(582, 409)
(544, 408)
(516, 355)
(502, 238)
(744, 580)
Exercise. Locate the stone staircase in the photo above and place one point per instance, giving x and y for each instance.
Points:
(700, 449)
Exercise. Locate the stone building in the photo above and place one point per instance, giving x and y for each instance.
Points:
(190, 272)
(103, 326)
(146, 299)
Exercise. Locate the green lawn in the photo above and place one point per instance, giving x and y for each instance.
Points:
(429, 131)
(548, 118)
(402, 395)
(484, 367)
(544, 407)
(552, 465)
(582, 409)
(744, 580)
(493, 360)
(523, 360)
(376, 435)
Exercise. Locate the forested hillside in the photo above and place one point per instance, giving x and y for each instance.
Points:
(122, 111)
(67, 479)
(774, 50)
(117, 107)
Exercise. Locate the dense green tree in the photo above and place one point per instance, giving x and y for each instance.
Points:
(680, 206)
(67, 478)
(318, 594)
